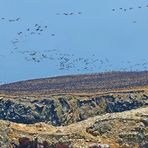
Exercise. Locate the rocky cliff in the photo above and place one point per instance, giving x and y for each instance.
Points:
(64, 110)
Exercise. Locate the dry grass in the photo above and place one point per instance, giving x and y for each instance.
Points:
(80, 84)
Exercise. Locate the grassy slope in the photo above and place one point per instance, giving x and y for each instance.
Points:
(88, 83)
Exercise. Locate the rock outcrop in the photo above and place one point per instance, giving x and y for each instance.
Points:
(125, 129)
(64, 110)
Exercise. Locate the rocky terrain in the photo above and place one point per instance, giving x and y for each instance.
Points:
(125, 129)
(115, 117)
(64, 110)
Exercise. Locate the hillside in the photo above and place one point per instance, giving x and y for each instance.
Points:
(88, 83)
(88, 111)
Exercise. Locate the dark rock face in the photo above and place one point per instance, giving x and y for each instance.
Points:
(120, 106)
(66, 110)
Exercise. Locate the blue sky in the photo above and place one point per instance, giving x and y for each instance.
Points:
(81, 37)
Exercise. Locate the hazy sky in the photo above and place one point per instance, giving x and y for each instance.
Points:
(88, 29)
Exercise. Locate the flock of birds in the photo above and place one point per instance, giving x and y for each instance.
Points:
(130, 8)
(68, 61)
(9, 20)
(38, 29)
(70, 13)
(65, 61)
